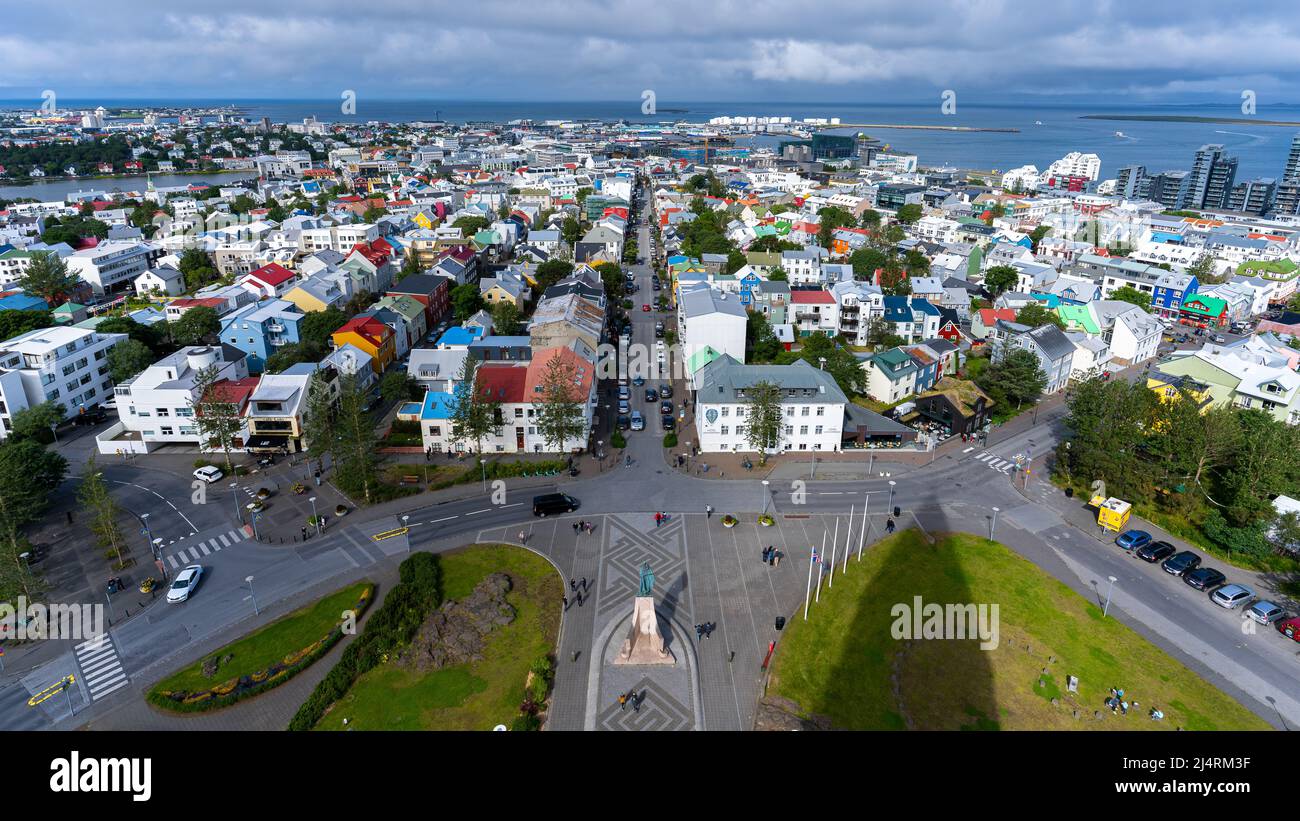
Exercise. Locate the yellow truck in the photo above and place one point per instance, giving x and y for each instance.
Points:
(1112, 513)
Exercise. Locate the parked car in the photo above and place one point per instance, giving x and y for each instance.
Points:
(1181, 563)
(651, 395)
(1289, 628)
(638, 421)
(1155, 552)
(639, 381)
(1204, 578)
(1265, 612)
(551, 503)
(1133, 539)
(666, 407)
(669, 424)
(1232, 596)
(645, 308)
(184, 584)
(623, 422)
(624, 392)
(665, 391)
(208, 473)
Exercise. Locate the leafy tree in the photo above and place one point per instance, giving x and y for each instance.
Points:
(127, 358)
(318, 419)
(36, 421)
(476, 413)
(909, 213)
(570, 230)
(373, 213)
(840, 362)
(612, 277)
(832, 217)
(469, 226)
(14, 323)
(1016, 376)
(760, 340)
(560, 413)
(1035, 315)
(866, 261)
(289, 355)
(148, 335)
(197, 268)
(410, 265)
(94, 497)
(29, 474)
(466, 300)
(47, 276)
(317, 328)
(773, 243)
(505, 318)
(395, 386)
(360, 301)
(1036, 236)
(218, 420)
(778, 275)
(870, 218)
(764, 423)
(1132, 295)
(1001, 278)
(551, 272)
(355, 458)
(1203, 270)
(881, 336)
(196, 324)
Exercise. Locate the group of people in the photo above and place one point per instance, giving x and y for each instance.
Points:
(582, 526)
(772, 556)
(577, 588)
(1119, 705)
(660, 518)
(703, 631)
(631, 697)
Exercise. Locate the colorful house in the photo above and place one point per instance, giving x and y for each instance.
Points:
(1204, 311)
(371, 336)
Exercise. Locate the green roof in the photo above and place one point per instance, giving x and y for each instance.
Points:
(701, 358)
(1078, 316)
(1208, 305)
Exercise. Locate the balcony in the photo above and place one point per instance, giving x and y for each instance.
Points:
(275, 328)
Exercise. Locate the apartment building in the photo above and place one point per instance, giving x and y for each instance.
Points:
(812, 406)
(63, 364)
(113, 265)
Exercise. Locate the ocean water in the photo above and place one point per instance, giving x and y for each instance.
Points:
(1260, 149)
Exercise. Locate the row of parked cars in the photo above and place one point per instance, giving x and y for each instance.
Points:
(1188, 566)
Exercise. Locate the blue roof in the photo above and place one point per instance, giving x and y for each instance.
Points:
(23, 302)
(897, 310)
(924, 306)
(437, 405)
(301, 369)
(1051, 300)
(460, 335)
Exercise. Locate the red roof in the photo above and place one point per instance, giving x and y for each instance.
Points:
(197, 302)
(583, 372)
(368, 328)
(503, 383)
(812, 297)
(234, 391)
(990, 316)
(272, 274)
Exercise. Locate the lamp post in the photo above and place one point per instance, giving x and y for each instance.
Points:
(27, 564)
(600, 453)
(252, 595)
(234, 494)
(483, 464)
(405, 518)
(993, 523)
(891, 493)
(314, 517)
(1106, 608)
(54, 429)
(144, 522)
(764, 511)
(252, 519)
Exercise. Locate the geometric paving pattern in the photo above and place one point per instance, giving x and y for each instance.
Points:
(627, 546)
(659, 711)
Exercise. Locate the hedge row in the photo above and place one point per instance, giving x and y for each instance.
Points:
(408, 604)
(238, 689)
(501, 470)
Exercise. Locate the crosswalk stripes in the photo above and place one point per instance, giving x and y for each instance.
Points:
(994, 462)
(101, 668)
(205, 548)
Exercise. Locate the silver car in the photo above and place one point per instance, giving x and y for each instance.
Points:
(1232, 596)
(1265, 612)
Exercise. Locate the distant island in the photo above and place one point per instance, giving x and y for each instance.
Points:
(1178, 118)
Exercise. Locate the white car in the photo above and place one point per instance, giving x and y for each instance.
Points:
(208, 473)
(184, 584)
(1232, 595)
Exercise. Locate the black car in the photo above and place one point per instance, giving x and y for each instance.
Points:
(624, 423)
(665, 392)
(1155, 552)
(669, 423)
(666, 407)
(552, 503)
(651, 395)
(1181, 563)
(1204, 578)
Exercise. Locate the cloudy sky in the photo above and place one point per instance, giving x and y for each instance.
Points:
(687, 50)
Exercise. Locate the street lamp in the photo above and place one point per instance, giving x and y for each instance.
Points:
(144, 521)
(234, 494)
(405, 518)
(891, 492)
(27, 564)
(1106, 608)
(54, 429)
(483, 463)
(314, 517)
(764, 511)
(600, 452)
(993, 523)
(821, 363)
(252, 595)
(253, 517)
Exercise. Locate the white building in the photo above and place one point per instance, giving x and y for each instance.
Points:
(62, 364)
(812, 406)
(114, 264)
(709, 318)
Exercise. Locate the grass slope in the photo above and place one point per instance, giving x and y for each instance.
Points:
(844, 664)
(474, 696)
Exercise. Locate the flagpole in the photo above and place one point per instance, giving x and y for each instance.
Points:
(848, 540)
(862, 534)
(808, 593)
(821, 560)
(835, 543)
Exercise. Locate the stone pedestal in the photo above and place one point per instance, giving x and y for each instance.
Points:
(644, 644)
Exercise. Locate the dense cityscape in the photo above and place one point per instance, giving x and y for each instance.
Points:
(675, 417)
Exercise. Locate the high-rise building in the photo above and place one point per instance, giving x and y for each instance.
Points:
(1170, 188)
(1128, 181)
(1212, 176)
(1253, 196)
(1292, 171)
(1287, 199)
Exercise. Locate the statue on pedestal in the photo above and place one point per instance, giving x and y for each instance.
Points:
(644, 644)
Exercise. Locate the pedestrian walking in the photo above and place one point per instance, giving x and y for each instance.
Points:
(580, 598)
(523, 537)
(699, 632)
(584, 584)
(636, 702)
(708, 511)
(622, 701)
(572, 584)
(576, 527)
(658, 519)
(889, 525)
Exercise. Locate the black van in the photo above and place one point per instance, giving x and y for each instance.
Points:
(551, 503)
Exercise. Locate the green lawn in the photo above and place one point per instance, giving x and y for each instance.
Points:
(474, 696)
(844, 663)
(260, 649)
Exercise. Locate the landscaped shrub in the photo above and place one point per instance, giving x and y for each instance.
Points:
(417, 594)
(617, 440)
(670, 440)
